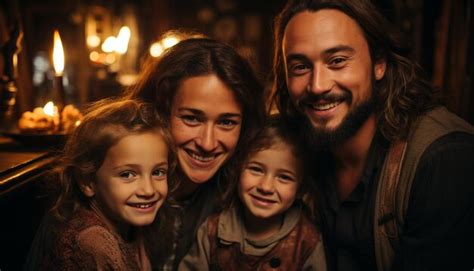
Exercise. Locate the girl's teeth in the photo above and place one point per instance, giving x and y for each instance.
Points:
(325, 106)
(142, 206)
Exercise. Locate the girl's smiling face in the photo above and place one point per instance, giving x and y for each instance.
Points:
(131, 184)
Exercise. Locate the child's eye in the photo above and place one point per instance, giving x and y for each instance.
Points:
(255, 170)
(160, 173)
(127, 174)
(286, 178)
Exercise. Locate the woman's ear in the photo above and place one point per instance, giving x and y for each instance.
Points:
(88, 188)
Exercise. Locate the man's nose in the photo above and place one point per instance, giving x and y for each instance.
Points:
(321, 81)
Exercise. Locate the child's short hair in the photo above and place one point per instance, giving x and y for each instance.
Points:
(105, 123)
(278, 129)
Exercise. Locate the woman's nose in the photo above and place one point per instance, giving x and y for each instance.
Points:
(207, 138)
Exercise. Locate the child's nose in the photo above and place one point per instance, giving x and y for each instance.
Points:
(266, 184)
(146, 188)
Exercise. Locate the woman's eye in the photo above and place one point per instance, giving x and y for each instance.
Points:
(127, 174)
(228, 123)
(190, 119)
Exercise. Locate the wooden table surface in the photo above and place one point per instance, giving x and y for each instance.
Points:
(20, 164)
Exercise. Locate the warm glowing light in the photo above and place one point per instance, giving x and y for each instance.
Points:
(122, 40)
(94, 56)
(93, 41)
(156, 49)
(170, 41)
(49, 109)
(109, 44)
(58, 54)
(110, 59)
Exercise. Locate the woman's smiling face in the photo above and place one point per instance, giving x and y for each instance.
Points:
(205, 124)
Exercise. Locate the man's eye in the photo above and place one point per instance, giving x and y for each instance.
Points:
(127, 174)
(337, 62)
(299, 69)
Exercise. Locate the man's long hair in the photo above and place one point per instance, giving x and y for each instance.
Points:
(400, 96)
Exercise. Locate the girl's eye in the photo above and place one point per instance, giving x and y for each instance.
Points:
(286, 178)
(160, 173)
(255, 170)
(127, 174)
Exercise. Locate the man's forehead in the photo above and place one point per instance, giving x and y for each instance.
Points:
(323, 28)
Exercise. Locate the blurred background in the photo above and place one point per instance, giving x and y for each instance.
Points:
(105, 42)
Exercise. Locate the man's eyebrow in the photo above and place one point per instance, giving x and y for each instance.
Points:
(296, 57)
(339, 48)
(329, 51)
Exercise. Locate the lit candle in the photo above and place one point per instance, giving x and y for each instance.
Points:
(58, 63)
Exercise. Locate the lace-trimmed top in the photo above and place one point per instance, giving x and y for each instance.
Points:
(85, 243)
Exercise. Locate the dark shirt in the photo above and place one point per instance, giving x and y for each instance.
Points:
(438, 233)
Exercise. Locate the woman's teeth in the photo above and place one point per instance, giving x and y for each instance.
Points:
(201, 158)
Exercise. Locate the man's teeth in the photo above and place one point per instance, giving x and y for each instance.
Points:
(201, 158)
(325, 106)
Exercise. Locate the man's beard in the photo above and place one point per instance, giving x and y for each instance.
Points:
(322, 138)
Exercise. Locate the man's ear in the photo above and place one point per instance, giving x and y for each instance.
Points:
(379, 68)
(88, 188)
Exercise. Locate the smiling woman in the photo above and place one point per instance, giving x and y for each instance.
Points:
(214, 105)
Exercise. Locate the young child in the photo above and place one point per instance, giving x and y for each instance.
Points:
(114, 180)
(267, 228)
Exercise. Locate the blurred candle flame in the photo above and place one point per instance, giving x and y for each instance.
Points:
(49, 109)
(58, 54)
(122, 40)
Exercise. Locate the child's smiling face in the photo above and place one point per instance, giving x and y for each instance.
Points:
(269, 181)
(131, 184)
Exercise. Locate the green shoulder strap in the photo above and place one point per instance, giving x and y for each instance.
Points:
(401, 162)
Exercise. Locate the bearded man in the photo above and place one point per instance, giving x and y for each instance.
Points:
(394, 169)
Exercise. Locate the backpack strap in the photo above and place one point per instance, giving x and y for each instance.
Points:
(385, 228)
(398, 172)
